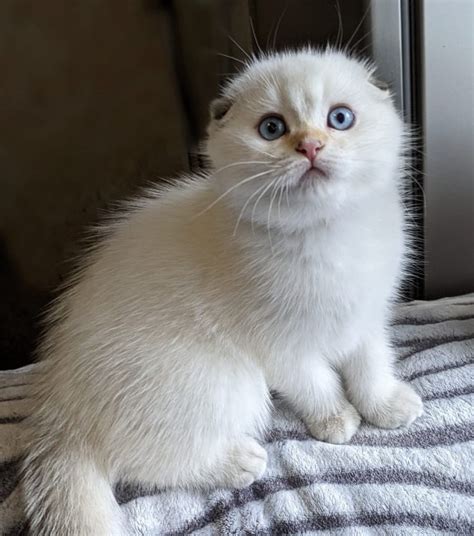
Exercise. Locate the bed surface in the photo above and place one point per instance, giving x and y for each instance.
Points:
(408, 481)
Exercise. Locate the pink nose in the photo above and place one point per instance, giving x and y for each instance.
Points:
(309, 148)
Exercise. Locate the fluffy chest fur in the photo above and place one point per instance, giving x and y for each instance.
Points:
(316, 289)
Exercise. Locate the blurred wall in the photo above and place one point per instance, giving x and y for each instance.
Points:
(89, 111)
(448, 110)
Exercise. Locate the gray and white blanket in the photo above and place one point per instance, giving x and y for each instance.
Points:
(408, 481)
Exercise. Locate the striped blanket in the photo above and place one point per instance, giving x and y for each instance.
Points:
(408, 481)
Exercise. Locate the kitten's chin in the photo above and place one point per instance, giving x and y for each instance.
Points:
(313, 174)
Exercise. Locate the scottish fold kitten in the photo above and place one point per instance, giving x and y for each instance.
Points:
(275, 271)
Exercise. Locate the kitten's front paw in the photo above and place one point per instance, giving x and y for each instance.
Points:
(401, 409)
(337, 428)
(247, 463)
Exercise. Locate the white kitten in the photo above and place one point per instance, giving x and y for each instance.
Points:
(274, 272)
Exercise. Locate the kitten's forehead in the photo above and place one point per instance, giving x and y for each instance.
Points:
(300, 82)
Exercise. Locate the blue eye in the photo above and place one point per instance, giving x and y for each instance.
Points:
(341, 118)
(272, 127)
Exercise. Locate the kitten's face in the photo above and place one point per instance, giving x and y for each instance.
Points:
(304, 134)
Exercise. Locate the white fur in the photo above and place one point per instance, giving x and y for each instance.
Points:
(160, 357)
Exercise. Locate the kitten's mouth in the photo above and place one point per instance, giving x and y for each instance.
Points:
(313, 173)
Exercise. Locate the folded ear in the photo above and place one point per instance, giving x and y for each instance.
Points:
(379, 84)
(219, 108)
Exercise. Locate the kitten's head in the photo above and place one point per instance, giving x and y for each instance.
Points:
(297, 136)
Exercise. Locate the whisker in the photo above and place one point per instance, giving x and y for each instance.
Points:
(261, 151)
(257, 202)
(245, 206)
(269, 215)
(277, 28)
(346, 48)
(241, 48)
(364, 49)
(242, 142)
(355, 160)
(279, 203)
(232, 188)
(252, 28)
(340, 29)
(233, 58)
(249, 162)
(287, 189)
(354, 46)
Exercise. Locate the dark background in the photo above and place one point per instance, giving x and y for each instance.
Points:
(97, 98)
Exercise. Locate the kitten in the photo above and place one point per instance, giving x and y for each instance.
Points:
(276, 271)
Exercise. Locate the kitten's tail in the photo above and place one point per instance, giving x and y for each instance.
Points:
(65, 494)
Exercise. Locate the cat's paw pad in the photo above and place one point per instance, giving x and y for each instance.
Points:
(247, 463)
(337, 428)
(401, 409)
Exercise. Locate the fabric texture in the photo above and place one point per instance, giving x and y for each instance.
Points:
(408, 481)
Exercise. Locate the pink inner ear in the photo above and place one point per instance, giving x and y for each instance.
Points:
(219, 107)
